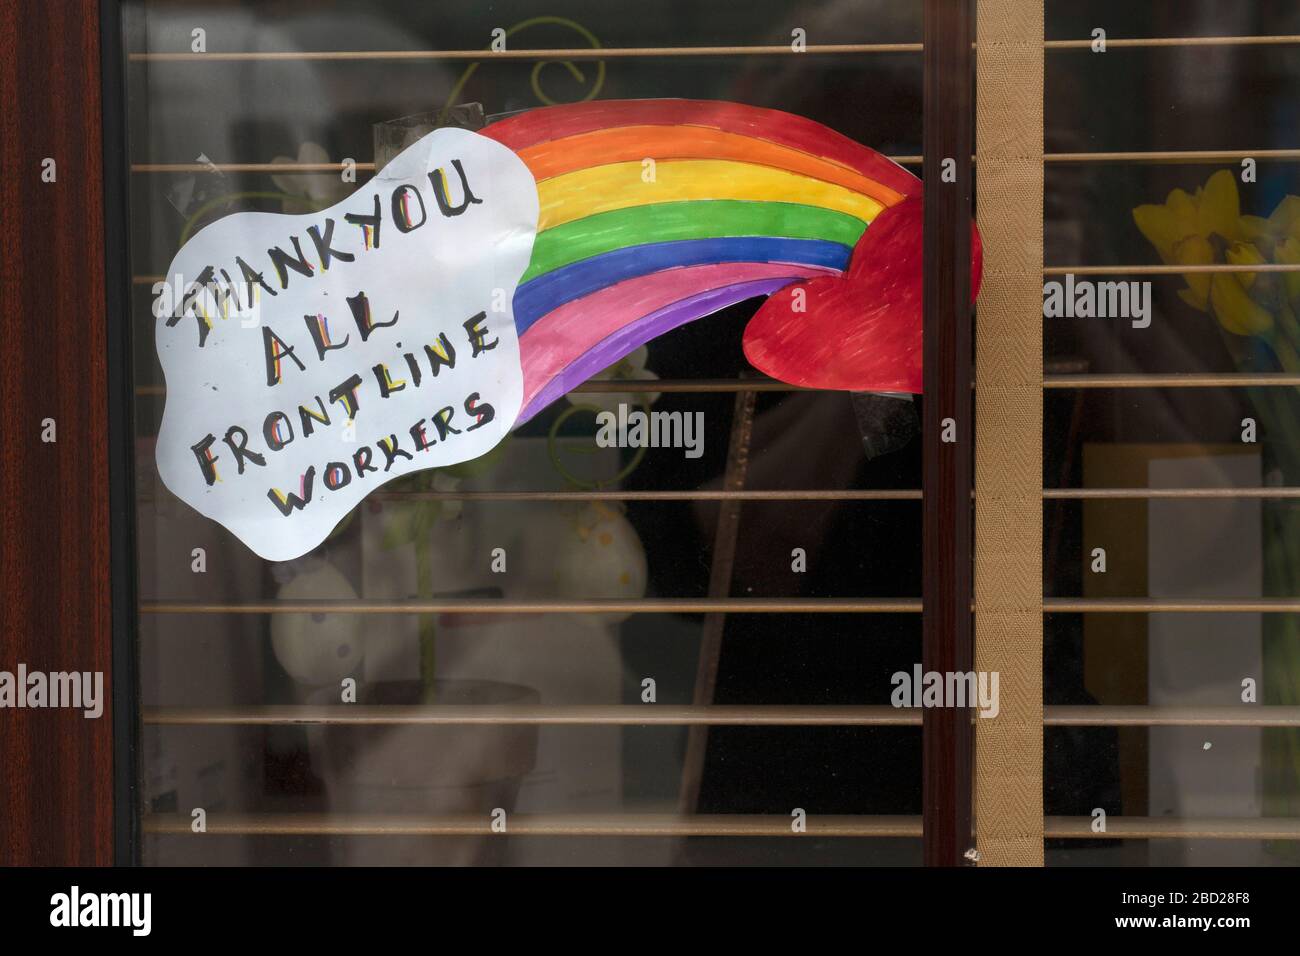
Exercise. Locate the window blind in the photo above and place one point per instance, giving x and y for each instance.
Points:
(718, 605)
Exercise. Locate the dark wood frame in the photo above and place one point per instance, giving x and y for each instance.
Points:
(121, 430)
(56, 554)
(947, 529)
(67, 550)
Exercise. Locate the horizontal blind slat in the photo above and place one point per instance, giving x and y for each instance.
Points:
(716, 715)
(1270, 492)
(652, 606)
(1190, 156)
(1058, 605)
(1171, 606)
(672, 825)
(568, 53)
(570, 825)
(1172, 380)
(622, 715)
(1173, 828)
(599, 53)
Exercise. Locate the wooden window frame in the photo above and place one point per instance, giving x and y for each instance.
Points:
(68, 594)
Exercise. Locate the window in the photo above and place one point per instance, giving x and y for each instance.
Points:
(519, 450)
(564, 651)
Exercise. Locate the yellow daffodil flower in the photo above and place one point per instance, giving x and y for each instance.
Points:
(1181, 230)
(1283, 224)
(1236, 310)
(1288, 253)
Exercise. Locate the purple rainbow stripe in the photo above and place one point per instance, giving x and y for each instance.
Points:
(625, 316)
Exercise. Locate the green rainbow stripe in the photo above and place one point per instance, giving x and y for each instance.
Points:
(695, 219)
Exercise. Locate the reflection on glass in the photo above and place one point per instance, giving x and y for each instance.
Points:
(1172, 443)
(519, 561)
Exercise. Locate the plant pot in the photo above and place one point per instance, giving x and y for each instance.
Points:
(414, 770)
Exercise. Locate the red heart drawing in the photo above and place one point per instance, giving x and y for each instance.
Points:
(859, 332)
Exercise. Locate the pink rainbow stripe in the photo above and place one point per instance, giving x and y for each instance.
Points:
(566, 334)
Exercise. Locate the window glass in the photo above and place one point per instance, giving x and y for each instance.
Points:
(755, 603)
(1195, 177)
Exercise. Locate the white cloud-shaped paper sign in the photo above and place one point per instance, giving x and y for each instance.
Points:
(310, 359)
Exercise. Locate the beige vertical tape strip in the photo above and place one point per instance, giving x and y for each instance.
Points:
(1009, 429)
